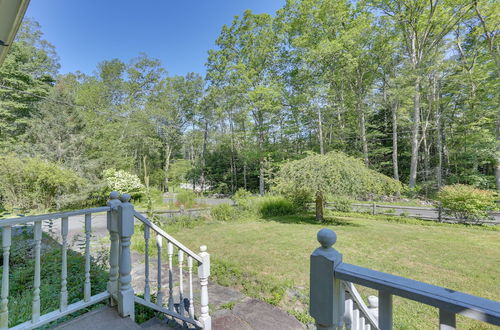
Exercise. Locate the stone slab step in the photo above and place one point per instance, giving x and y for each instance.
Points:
(104, 318)
(253, 314)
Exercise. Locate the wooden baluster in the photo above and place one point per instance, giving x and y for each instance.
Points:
(191, 300)
(35, 311)
(204, 274)
(86, 290)
(181, 283)
(170, 250)
(447, 320)
(4, 305)
(362, 323)
(368, 327)
(126, 297)
(147, 294)
(355, 318)
(348, 313)
(114, 249)
(373, 306)
(385, 310)
(159, 294)
(63, 298)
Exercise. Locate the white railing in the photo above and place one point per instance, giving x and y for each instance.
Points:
(120, 224)
(64, 309)
(330, 276)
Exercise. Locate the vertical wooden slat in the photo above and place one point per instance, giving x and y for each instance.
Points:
(385, 311)
(159, 295)
(362, 323)
(204, 274)
(35, 311)
(63, 301)
(86, 289)
(447, 320)
(348, 313)
(147, 294)
(4, 305)
(170, 250)
(181, 283)
(355, 319)
(191, 300)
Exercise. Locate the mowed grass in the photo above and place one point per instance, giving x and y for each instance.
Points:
(458, 257)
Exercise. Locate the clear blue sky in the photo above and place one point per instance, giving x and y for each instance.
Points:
(179, 33)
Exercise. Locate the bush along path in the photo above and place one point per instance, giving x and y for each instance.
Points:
(229, 307)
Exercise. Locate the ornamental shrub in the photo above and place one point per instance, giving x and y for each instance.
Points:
(186, 198)
(272, 206)
(223, 212)
(123, 182)
(33, 183)
(466, 202)
(340, 203)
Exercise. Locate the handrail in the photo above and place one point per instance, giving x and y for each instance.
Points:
(456, 302)
(16, 221)
(167, 236)
(349, 287)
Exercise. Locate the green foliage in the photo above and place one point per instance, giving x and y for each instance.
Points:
(299, 197)
(273, 206)
(186, 198)
(340, 203)
(466, 202)
(241, 197)
(223, 212)
(31, 183)
(123, 182)
(178, 171)
(334, 173)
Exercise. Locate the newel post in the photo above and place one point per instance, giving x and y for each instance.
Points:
(203, 274)
(125, 231)
(326, 294)
(112, 224)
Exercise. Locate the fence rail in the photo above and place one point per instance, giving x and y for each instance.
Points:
(327, 297)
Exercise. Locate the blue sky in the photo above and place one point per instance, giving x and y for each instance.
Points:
(179, 33)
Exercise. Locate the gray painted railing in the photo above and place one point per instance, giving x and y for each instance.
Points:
(38, 320)
(120, 224)
(329, 276)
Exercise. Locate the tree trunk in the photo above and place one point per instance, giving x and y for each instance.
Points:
(261, 177)
(319, 206)
(395, 168)
(320, 132)
(414, 133)
(364, 141)
(168, 153)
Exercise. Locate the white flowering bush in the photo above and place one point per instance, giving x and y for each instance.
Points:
(123, 182)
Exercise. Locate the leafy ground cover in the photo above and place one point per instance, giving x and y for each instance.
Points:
(269, 259)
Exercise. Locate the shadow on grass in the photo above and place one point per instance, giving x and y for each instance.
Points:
(310, 219)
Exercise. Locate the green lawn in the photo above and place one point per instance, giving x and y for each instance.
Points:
(273, 254)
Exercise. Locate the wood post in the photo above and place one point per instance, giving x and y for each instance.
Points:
(374, 208)
(125, 230)
(4, 304)
(385, 310)
(112, 224)
(327, 295)
(203, 274)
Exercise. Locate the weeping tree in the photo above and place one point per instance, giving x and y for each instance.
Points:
(333, 173)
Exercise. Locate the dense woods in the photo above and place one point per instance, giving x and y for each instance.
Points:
(409, 87)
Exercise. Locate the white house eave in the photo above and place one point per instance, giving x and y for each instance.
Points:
(11, 16)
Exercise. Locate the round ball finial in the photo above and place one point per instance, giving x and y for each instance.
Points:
(125, 198)
(326, 237)
(114, 195)
(203, 248)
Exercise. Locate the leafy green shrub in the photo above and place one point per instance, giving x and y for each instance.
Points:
(32, 183)
(299, 197)
(466, 202)
(123, 182)
(241, 198)
(340, 203)
(186, 198)
(223, 212)
(272, 206)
